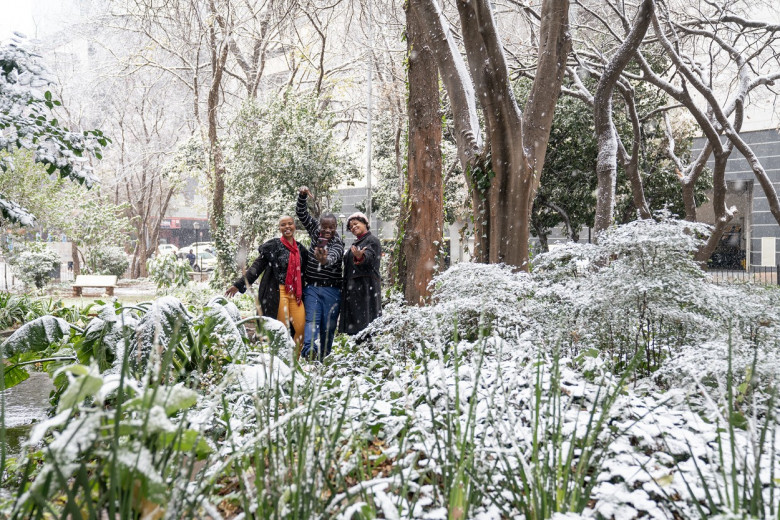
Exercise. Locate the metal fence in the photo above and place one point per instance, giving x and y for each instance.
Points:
(754, 274)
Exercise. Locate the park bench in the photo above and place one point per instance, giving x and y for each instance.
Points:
(90, 280)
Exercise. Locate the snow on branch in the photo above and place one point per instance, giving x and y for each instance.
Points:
(26, 122)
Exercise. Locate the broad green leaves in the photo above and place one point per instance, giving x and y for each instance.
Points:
(36, 335)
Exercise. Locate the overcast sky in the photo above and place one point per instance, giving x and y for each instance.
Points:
(34, 18)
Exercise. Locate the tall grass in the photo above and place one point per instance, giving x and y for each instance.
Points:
(737, 487)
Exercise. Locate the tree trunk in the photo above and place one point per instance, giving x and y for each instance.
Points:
(517, 141)
(216, 218)
(606, 165)
(424, 203)
(723, 215)
(219, 53)
(74, 253)
(631, 163)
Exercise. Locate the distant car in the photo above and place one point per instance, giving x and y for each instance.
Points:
(201, 246)
(204, 261)
(164, 249)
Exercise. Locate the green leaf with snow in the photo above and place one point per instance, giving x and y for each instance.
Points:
(83, 382)
(36, 336)
(13, 375)
(188, 441)
(102, 336)
(172, 398)
(177, 399)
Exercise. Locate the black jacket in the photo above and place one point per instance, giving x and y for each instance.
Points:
(272, 263)
(361, 296)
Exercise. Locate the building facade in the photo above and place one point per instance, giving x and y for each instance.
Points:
(752, 238)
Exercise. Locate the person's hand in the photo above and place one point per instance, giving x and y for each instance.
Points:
(232, 290)
(357, 252)
(304, 190)
(321, 254)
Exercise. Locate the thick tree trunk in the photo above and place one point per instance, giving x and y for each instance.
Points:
(518, 142)
(424, 204)
(554, 47)
(722, 214)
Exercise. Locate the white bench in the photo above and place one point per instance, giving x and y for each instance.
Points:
(108, 282)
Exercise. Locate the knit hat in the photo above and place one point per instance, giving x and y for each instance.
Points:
(358, 216)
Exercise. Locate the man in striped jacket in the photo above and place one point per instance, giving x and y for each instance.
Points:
(322, 295)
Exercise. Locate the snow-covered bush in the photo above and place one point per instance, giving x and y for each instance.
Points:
(495, 427)
(468, 301)
(638, 291)
(200, 293)
(153, 449)
(168, 271)
(34, 267)
(107, 260)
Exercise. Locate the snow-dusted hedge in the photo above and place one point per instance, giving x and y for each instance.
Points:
(107, 260)
(637, 291)
(34, 267)
(168, 271)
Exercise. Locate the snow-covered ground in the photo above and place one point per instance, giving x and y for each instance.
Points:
(615, 381)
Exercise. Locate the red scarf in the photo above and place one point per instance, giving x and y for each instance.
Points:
(293, 283)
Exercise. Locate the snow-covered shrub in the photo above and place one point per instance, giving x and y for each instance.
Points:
(491, 428)
(168, 271)
(200, 293)
(107, 260)
(26, 121)
(637, 291)
(468, 300)
(34, 267)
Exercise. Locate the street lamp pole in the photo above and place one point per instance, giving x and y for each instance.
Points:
(370, 109)
(196, 227)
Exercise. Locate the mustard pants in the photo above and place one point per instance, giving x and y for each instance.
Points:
(292, 311)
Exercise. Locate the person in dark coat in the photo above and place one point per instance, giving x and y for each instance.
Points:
(281, 263)
(361, 296)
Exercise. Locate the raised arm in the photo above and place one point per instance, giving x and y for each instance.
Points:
(367, 256)
(302, 212)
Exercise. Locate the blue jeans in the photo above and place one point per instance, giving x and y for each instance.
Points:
(322, 312)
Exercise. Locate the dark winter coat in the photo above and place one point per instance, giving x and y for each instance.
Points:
(361, 296)
(272, 263)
